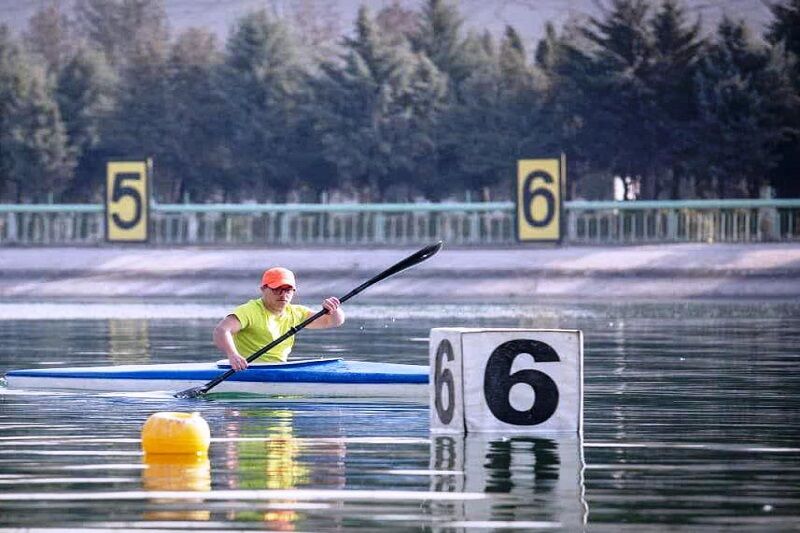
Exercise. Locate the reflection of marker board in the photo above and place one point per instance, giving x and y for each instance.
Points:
(506, 380)
(542, 476)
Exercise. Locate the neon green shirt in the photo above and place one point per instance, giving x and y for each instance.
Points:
(260, 326)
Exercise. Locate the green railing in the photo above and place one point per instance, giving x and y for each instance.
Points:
(488, 223)
(684, 221)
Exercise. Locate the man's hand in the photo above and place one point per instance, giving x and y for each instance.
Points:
(333, 317)
(331, 304)
(237, 362)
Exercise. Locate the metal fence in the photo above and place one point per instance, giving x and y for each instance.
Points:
(397, 224)
(684, 221)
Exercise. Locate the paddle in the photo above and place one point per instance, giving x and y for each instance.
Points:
(418, 257)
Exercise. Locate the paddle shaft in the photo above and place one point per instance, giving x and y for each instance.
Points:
(409, 261)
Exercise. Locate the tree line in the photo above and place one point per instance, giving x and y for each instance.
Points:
(407, 105)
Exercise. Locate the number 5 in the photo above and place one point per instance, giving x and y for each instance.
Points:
(120, 191)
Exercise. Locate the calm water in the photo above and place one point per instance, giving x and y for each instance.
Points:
(692, 421)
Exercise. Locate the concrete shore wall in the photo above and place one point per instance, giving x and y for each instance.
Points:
(517, 273)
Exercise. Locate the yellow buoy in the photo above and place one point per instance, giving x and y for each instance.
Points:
(175, 433)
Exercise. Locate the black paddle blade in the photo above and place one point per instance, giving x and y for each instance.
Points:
(422, 255)
(414, 259)
(191, 393)
(429, 251)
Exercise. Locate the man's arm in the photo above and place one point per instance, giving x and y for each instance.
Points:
(333, 318)
(223, 339)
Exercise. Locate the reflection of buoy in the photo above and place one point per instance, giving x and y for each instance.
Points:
(177, 472)
(175, 433)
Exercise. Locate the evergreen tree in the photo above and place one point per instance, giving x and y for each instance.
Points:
(49, 35)
(122, 29)
(623, 106)
(397, 23)
(514, 68)
(414, 105)
(498, 120)
(262, 82)
(565, 72)
(677, 47)
(785, 25)
(133, 38)
(316, 25)
(139, 126)
(85, 93)
(620, 96)
(596, 100)
(740, 94)
(420, 109)
(784, 35)
(34, 159)
(545, 56)
(570, 91)
(198, 153)
(378, 114)
(464, 60)
(439, 36)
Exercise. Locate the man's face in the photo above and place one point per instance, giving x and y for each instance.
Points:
(276, 299)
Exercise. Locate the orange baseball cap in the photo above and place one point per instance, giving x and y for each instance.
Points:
(278, 277)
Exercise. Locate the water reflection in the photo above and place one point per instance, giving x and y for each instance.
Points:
(261, 451)
(128, 342)
(691, 423)
(537, 480)
(176, 472)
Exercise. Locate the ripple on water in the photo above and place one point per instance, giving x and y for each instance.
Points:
(690, 419)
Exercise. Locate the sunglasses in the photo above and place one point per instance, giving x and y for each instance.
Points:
(280, 290)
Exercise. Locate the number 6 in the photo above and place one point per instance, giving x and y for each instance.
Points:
(498, 381)
(442, 378)
(530, 195)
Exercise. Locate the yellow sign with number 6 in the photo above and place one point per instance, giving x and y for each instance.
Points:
(540, 183)
(127, 201)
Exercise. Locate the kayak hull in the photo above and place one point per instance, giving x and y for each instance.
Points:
(320, 378)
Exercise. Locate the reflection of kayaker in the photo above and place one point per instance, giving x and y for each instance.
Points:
(262, 320)
(271, 458)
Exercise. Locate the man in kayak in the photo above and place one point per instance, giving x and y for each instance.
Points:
(258, 322)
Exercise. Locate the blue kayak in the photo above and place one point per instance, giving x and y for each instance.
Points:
(314, 378)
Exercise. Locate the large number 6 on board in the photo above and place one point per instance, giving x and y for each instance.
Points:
(498, 381)
(529, 194)
(440, 379)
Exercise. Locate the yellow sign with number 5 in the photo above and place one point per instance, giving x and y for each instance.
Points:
(540, 183)
(128, 201)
